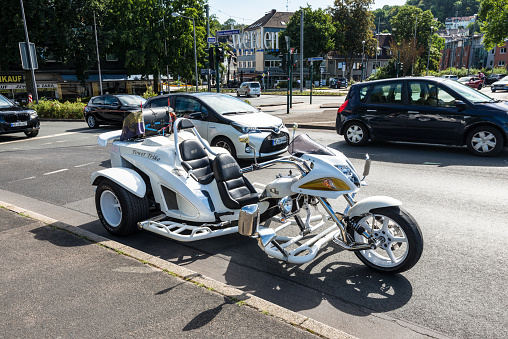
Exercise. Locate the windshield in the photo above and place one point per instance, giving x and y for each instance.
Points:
(464, 79)
(224, 104)
(131, 100)
(469, 93)
(254, 85)
(303, 144)
(4, 103)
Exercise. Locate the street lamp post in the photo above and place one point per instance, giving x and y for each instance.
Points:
(471, 48)
(195, 54)
(363, 54)
(430, 45)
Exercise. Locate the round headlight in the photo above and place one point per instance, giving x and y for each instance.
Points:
(286, 205)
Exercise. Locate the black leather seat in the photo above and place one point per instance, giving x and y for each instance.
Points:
(196, 159)
(234, 189)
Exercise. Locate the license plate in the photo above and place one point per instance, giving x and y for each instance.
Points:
(279, 141)
(19, 123)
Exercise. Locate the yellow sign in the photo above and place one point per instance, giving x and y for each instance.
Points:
(11, 78)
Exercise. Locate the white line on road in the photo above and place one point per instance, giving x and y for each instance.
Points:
(84, 164)
(10, 182)
(61, 170)
(38, 138)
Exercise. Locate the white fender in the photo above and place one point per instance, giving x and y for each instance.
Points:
(366, 205)
(125, 177)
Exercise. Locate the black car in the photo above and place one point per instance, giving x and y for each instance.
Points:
(493, 78)
(14, 119)
(338, 82)
(424, 110)
(111, 109)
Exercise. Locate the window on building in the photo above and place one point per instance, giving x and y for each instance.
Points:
(501, 63)
(502, 50)
(111, 57)
(491, 62)
(253, 64)
(267, 63)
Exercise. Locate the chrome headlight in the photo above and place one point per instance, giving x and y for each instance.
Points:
(33, 114)
(285, 205)
(350, 174)
(245, 129)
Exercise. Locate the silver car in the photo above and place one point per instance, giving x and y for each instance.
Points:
(249, 88)
(501, 85)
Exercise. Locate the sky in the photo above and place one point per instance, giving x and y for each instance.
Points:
(247, 12)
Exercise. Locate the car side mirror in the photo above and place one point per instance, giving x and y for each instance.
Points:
(460, 104)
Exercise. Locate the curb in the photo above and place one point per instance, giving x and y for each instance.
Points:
(259, 304)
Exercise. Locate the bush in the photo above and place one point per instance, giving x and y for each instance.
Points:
(49, 109)
(149, 93)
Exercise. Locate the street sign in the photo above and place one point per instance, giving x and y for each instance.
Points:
(211, 40)
(24, 56)
(315, 59)
(228, 32)
(206, 71)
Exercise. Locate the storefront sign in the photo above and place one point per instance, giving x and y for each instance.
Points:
(11, 79)
(23, 86)
(259, 40)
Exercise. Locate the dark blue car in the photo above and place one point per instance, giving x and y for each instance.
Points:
(424, 110)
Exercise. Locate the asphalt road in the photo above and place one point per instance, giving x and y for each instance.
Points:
(457, 289)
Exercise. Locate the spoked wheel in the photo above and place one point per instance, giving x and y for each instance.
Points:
(32, 133)
(225, 143)
(401, 241)
(91, 121)
(356, 134)
(119, 210)
(484, 141)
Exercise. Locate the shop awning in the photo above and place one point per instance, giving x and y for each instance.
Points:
(95, 77)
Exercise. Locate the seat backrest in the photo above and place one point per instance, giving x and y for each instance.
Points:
(235, 190)
(195, 157)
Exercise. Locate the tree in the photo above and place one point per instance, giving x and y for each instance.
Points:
(383, 16)
(353, 24)
(403, 25)
(443, 9)
(494, 16)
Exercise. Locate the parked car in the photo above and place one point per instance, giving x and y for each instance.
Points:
(450, 76)
(338, 82)
(501, 85)
(249, 88)
(221, 119)
(493, 78)
(424, 110)
(473, 82)
(15, 119)
(111, 109)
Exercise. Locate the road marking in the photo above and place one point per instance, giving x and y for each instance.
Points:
(84, 164)
(10, 182)
(58, 171)
(38, 138)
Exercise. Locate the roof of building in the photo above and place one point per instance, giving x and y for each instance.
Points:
(459, 18)
(272, 19)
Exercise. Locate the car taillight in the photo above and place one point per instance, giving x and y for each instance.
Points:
(341, 108)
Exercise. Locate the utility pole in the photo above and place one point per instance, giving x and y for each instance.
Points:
(98, 59)
(209, 77)
(301, 52)
(414, 47)
(29, 55)
(471, 48)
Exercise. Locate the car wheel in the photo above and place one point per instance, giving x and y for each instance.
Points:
(225, 143)
(32, 133)
(119, 210)
(259, 95)
(480, 87)
(485, 141)
(493, 89)
(356, 134)
(237, 93)
(91, 121)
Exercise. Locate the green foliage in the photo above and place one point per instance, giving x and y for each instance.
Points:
(48, 109)
(149, 93)
(353, 23)
(442, 9)
(494, 16)
(383, 16)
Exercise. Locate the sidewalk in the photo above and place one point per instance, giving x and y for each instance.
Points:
(62, 281)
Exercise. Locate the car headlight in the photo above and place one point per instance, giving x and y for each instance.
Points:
(350, 174)
(245, 129)
(33, 114)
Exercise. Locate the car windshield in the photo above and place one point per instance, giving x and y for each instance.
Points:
(464, 79)
(131, 100)
(4, 103)
(225, 104)
(469, 93)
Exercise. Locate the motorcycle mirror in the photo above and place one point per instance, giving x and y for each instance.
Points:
(366, 169)
(295, 126)
(244, 138)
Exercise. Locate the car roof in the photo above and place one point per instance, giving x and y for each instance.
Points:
(427, 78)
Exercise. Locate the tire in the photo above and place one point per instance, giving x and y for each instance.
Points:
(259, 95)
(485, 141)
(225, 143)
(119, 210)
(237, 93)
(32, 133)
(402, 240)
(356, 133)
(480, 87)
(492, 89)
(92, 121)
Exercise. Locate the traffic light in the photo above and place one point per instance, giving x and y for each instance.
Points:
(400, 65)
(211, 59)
(283, 63)
(220, 54)
(293, 62)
